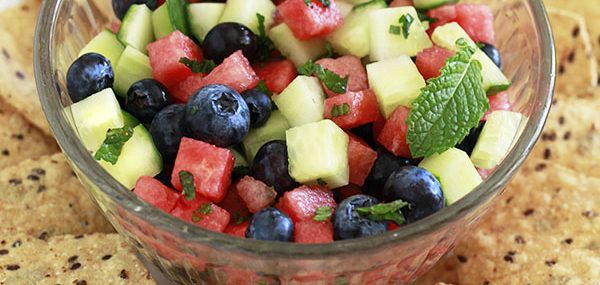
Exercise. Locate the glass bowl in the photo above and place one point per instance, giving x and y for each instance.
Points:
(187, 254)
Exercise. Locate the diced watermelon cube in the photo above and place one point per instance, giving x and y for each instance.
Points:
(164, 57)
(233, 204)
(431, 60)
(442, 15)
(255, 194)
(347, 191)
(393, 134)
(362, 105)
(498, 102)
(311, 231)
(346, 66)
(235, 72)
(238, 230)
(276, 74)
(360, 159)
(310, 21)
(476, 19)
(210, 165)
(484, 173)
(155, 193)
(202, 212)
(302, 203)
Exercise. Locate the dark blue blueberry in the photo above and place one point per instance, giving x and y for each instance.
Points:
(493, 53)
(165, 175)
(227, 38)
(385, 164)
(120, 7)
(218, 115)
(167, 129)
(260, 106)
(348, 224)
(366, 133)
(271, 224)
(270, 165)
(419, 188)
(88, 74)
(468, 143)
(145, 99)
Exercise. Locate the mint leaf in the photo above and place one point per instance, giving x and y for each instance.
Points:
(340, 110)
(321, 182)
(322, 214)
(264, 45)
(424, 18)
(205, 66)
(239, 218)
(203, 210)
(384, 212)
(406, 20)
(395, 30)
(113, 144)
(308, 3)
(188, 185)
(329, 78)
(449, 106)
(262, 86)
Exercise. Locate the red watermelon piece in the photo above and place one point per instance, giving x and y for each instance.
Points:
(210, 165)
(498, 102)
(347, 191)
(156, 193)
(164, 57)
(362, 105)
(476, 19)
(311, 231)
(310, 21)
(360, 159)
(238, 230)
(442, 15)
(255, 194)
(302, 203)
(431, 60)
(276, 74)
(350, 66)
(393, 134)
(202, 212)
(401, 3)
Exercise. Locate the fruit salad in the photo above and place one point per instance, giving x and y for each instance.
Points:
(307, 121)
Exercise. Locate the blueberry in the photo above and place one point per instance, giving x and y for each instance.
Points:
(145, 99)
(167, 129)
(468, 143)
(218, 115)
(120, 7)
(493, 53)
(271, 224)
(419, 188)
(270, 165)
(260, 106)
(89, 74)
(227, 38)
(348, 224)
(385, 164)
(366, 133)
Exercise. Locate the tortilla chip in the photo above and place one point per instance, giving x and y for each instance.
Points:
(91, 259)
(44, 198)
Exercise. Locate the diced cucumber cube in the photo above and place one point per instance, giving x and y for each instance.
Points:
(497, 136)
(302, 102)
(396, 82)
(318, 154)
(299, 52)
(136, 28)
(139, 157)
(203, 17)
(106, 44)
(493, 78)
(132, 67)
(244, 12)
(129, 120)
(430, 4)
(161, 22)
(456, 173)
(384, 44)
(273, 129)
(94, 115)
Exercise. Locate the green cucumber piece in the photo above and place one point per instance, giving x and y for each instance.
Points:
(106, 44)
(244, 12)
(454, 170)
(318, 154)
(396, 82)
(299, 52)
(139, 157)
(430, 4)
(384, 45)
(136, 28)
(302, 102)
(161, 22)
(353, 37)
(94, 115)
(496, 138)
(178, 14)
(240, 159)
(273, 129)
(129, 120)
(203, 17)
(132, 67)
(493, 78)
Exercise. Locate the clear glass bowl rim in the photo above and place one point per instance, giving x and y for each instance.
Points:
(124, 198)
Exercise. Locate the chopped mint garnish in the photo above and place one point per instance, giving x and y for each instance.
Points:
(205, 66)
(239, 219)
(340, 110)
(188, 185)
(331, 80)
(406, 20)
(326, 3)
(111, 148)
(384, 212)
(329, 53)
(264, 45)
(262, 86)
(308, 3)
(203, 210)
(322, 214)
(424, 18)
(395, 30)
(321, 182)
(449, 106)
